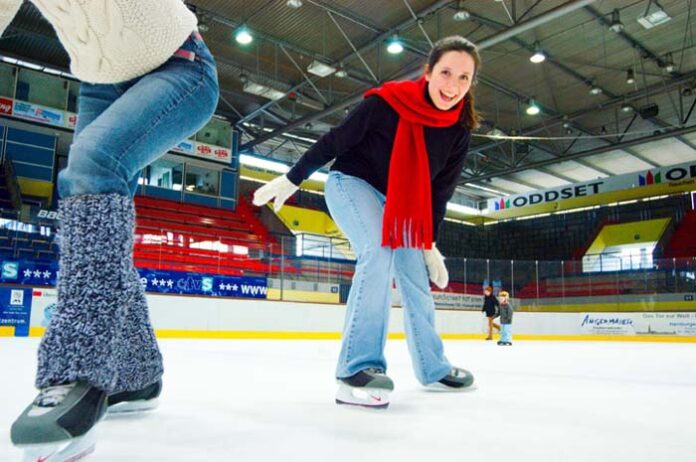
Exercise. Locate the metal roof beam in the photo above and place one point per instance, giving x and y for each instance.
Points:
(578, 155)
(520, 28)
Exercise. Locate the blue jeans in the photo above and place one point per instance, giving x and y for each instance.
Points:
(358, 208)
(123, 127)
(506, 332)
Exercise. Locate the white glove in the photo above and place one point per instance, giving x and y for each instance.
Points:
(437, 270)
(279, 189)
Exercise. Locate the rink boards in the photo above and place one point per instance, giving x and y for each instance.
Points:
(196, 317)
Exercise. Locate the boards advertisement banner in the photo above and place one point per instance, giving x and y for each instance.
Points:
(6, 106)
(451, 301)
(57, 117)
(204, 151)
(638, 323)
(43, 305)
(173, 282)
(38, 113)
(672, 175)
(42, 274)
(15, 309)
(28, 272)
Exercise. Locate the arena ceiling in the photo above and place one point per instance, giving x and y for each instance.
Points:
(594, 121)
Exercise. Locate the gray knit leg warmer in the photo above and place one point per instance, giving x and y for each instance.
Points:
(139, 358)
(87, 335)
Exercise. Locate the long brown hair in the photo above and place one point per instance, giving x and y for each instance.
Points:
(470, 118)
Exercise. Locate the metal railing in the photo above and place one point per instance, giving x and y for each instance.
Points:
(325, 263)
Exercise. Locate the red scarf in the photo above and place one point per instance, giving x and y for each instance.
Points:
(408, 214)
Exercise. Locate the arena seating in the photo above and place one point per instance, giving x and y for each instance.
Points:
(683, 242)
(183, 237)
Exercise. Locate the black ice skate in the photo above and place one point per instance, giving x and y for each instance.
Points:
(59, 425)
(144, 399)
(368, 388)
(456, 380)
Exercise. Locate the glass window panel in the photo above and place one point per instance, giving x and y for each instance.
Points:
(7, 78)
(165, 174)
(202, 180)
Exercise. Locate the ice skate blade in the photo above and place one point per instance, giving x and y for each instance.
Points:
(438, 387)
(63, 451)
(376, 398)
(363, 406)
(129, 407)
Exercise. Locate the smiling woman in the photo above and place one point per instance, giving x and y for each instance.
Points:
(398, 156)
(450, 79)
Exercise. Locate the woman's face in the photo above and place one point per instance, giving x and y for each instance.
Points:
(450, 79)
(486, 292)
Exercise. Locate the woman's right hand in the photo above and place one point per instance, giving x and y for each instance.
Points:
(278, 190)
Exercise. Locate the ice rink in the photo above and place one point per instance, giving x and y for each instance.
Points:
(248, 400)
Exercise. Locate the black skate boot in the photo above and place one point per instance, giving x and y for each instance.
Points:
(58, 425)
(99, 334)
(368, 388)
(456, 380)
(144, 399)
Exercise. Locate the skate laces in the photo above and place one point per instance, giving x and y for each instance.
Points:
(53, 396)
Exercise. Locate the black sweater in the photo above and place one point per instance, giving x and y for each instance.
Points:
(362, 147)
(490, 305)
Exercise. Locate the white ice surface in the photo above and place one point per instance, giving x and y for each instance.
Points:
(244, 400)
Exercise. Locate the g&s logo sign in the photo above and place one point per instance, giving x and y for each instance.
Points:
(6, 106)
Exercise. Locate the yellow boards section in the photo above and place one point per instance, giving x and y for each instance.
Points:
(7, 331)
(302, 296)
(38, 188)
(628, 233)
(300, 220)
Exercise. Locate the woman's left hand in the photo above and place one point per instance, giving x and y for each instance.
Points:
(437, 270)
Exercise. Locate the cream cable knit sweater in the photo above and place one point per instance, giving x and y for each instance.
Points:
(112, 41)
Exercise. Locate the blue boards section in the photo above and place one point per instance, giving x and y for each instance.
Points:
(31, 273)
(174, 282)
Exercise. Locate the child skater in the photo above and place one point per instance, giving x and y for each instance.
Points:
(505, 319)
(490, 308)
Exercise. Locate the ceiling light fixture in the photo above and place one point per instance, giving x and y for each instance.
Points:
(654, 15)
(320, 69)
(616, 24)
(461, 14)
(594, 89)
(394, 46)
(203, 25)
(669, 66)
(263, 91)
(533, 108)
(341, 73)
(243, 36)
(630, 77)
(539, 56)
